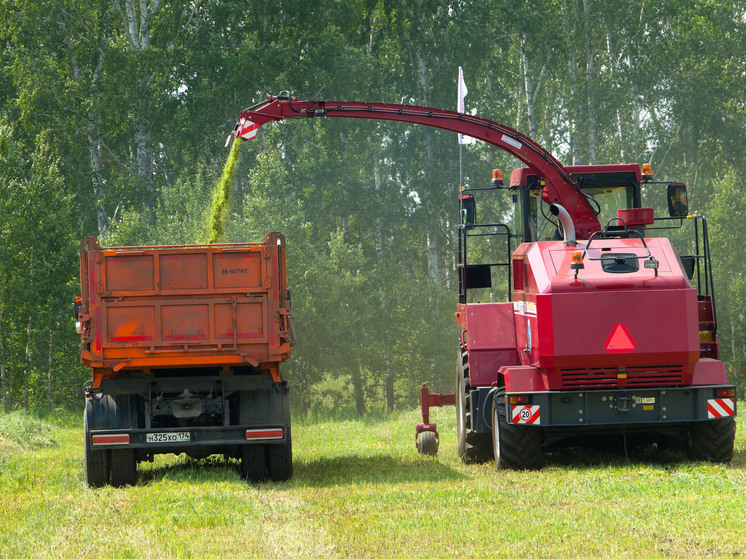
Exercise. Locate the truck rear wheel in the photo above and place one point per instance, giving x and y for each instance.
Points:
(473, 447)
(96, 461)
(516, 447)
(253, 463)
(714, 440)
(280, 460)
(123, 467)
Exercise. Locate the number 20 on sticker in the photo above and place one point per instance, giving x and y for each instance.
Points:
(526, 415)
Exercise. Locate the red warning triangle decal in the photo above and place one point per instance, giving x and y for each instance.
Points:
(620, 340)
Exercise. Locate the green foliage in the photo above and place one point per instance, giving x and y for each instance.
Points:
(37, 268)
(117, 131)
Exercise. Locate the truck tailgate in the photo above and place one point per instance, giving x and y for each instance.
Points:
(181, 306)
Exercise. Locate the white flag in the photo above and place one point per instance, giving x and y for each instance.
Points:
(462, 91)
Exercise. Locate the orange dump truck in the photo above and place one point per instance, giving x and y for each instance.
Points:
(185, 345)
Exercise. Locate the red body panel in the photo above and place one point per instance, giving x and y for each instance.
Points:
(184, 306)
(598, 330)
(490, 339)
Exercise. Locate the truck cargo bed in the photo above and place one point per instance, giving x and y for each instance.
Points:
(184, 306)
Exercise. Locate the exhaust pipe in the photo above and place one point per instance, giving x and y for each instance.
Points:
(566, 221)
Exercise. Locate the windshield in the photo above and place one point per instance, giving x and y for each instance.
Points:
(610, 200)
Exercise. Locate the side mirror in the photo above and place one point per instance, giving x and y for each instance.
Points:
(678, 206)
(468, 207)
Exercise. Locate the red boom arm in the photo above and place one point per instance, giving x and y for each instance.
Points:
(560, 188)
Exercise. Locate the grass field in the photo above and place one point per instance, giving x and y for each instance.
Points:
(361, 490)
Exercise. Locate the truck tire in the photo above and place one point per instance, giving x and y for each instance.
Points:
(253, 463)
(713, 440)
(123, 467)
(473, 448)
(280, 459)
(117, 466)
(253, 408)
(516, 447)
(96, 461)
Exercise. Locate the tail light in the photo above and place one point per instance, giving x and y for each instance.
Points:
(110, 439)
(725, 392)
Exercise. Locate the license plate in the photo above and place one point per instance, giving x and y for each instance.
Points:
(168, 437)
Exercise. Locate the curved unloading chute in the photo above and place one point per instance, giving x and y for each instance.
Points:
(560, 187)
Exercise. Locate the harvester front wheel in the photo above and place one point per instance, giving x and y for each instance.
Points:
(714, 440)
(516, 447)
(473, 448)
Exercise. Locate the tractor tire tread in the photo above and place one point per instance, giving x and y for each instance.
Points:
(520, 446)
(714, 440)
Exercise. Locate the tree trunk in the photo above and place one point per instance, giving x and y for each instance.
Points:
(358, 390)
(27, 365)
(528, 88)
(49, 368)
(613, 67)
(388, 375)
(136, 18)
(590, 86)
(433, 223)
(733, 349)
(3, 366)
(569, 17)
(94, 149)
(93, 122)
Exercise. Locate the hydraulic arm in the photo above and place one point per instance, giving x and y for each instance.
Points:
(560, 188)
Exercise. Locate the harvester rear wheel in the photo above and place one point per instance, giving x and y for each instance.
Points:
(516, 447)
(96, 461)
(428, 443)
(473, 447)
(280, 460)
(713, 440)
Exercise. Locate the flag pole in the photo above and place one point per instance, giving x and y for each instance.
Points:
(460, 107)
(461, 166)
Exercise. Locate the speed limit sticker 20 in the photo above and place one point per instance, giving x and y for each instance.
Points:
(526, 415)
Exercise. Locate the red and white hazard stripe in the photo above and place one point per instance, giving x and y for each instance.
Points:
(720, 407)
(246, 129)
(526, 415)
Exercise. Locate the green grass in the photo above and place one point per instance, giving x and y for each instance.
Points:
(361, 490)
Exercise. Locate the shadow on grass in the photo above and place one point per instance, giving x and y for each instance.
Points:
(355, 470)
(613, 451)
(346, 470)
(183, 468)
(585, 456)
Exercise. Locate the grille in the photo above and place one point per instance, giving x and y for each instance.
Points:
(609, 378)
